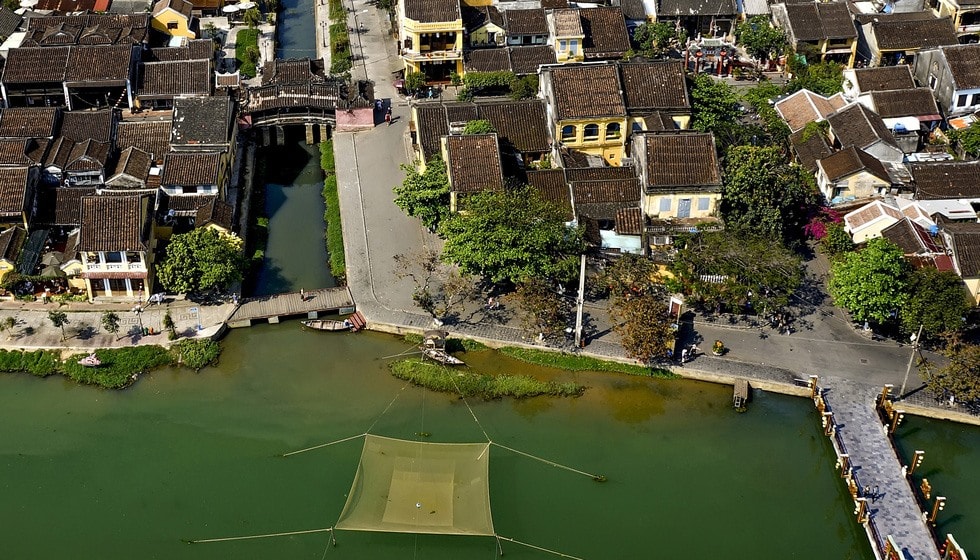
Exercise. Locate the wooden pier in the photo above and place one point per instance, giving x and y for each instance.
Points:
(309, 305)
(741, 394)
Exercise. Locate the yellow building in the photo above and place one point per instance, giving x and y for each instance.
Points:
(431, 38)
(11, 241)
(851, 174)
(965, 14)
(824, 27)
(679, 175)
(116, 244)
(565, 27)
(174, 18)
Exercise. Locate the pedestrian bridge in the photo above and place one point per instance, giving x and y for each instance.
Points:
(310, 304)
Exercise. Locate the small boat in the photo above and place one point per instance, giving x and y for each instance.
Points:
(90, 361)
(328, 325)
(443, 357)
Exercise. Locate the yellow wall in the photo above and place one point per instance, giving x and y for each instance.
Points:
(5, 267)
(478, 3)
(480, 36)
(571, 52)
(610, 149)
(651, 204)
(861, 185)
(160, 21)
(973, 287)
(824, 46)
(413, 30)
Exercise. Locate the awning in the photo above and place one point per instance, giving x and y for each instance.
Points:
(114, 275)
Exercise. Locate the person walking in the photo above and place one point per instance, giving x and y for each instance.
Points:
(388, 116)
(302, 294)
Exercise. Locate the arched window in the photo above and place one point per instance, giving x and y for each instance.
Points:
(568, 132)
(613, 131)
(591, 131)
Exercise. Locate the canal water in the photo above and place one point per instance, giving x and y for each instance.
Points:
(950, 464)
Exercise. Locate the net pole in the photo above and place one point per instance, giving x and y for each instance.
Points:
(596, 477)
(500, 547)
(264, 536)
(535, 547)
(297, 452)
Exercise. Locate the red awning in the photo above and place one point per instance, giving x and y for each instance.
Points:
(114, 275)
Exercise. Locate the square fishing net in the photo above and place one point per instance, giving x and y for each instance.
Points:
(418, 487)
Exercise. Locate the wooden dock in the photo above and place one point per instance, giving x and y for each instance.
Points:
(741, 394)
(308, 305)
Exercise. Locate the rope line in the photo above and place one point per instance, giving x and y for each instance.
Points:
(385, 411)
(542, 549)
(597, 477)
(467, 403)
(267, 535)
(323, 445)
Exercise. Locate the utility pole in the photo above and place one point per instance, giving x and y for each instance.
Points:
(915, 346)
(581, 304)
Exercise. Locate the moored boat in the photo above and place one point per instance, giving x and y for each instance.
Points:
(443, 357)
(328, 325)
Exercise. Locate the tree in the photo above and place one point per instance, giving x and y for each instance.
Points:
(439, 288)
(959, 378)
(967, 139)
(760, 38)
(837, 241)
(478, 126)
(654, 39)
(271, 6)
(8, 325)
(871, 283)
(168, 323)
(201, 259)
(425, 195)
(714, 104)
(252, 17)
(523, 87)
(825, 78)
(252, 55)
(211, 30)
(110, 322)
(936, 300)
(59, 319)
(643, 326)
(511, 236)
(759, 97)
(414, 81)
(543, 311)
(633, 275)
(765, 194)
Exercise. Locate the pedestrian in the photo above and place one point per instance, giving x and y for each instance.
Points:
(875, 494)
(490, 302)
(694, 350)
(302, 295)
(867, 491)
(683, 355)
(388, 116)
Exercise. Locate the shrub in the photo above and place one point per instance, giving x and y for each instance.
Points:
(446, 380)
(195, 354)
(334, 235)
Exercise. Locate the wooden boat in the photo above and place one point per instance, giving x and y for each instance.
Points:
(90, 361)
(441, 356)
(328, 325)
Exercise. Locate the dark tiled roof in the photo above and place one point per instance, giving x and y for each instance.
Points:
(963, 65)
(658, 121)
(134, 163)
(166, 79)
(291, 72)
(201, 120)
(62, 206)
(856, 125)
(605, 32)
(82, 125)
(884, 78)
(911, 237)
(935, 181)
(681, 160)
(554, 4)
(914, 102)
(474, 163)
(603, 199)
(629, 221)
(11, 241)
(115, 28)
(432, 11)
(699, 7)
(475, 17)
(185, 205)
(28, 122)
(9, 21)
(525, 60)
(196, 49)
(851, 160)
(814, 21)
(462, 112)
(227, 80)
(966, 247)
(215, 212)
(609, 173)
(113, 223)
(88, 155)
(13, 191)
(583, 91)
(654, 86)
(182, 7)
(18, 151)
(522, 124)
(813, 148)
(432, 125)
(526, 22)
(99, 63)
(191, 168)
(488, 60)
(152, 137)
(26, 65)
(550, 185)
(892, 33)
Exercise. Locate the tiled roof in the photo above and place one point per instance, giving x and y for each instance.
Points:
(892, 33)
(551, 185)
(804, 107)
(946, 180)
(11, 241)
(814, 21)
(201, 120)
(966, 247)
(699, 7)
(870, 212)
(809, 150)
(131, 28)
(9, 21)
(654, 85)
(589, 90)
(28, 122)
(431, 11)
(912, 102)
(113, 223)
(13, 191)
(99, 63)
(603, 199)
(658, 121)
(66, 6)
(884, 78)
(852, 160)
(190, 168)
(88, 155)
(522, 124)
(856, 125)
(578, 174)
(134, 163)
(27, 65)
(196, 49)
(186, 205)
(605, 32)
(526, 22)
(567, 22)
(681, 160)
(629, 221)
(291, 72)
(474, 163)
(61, 206)
(432, 126)
(166, 79)
(217, 212)
(488, 60)
(962, 61)
(911, 237)
(554, 4)
(82, 125)
(182, 7)
(526, 60)
(19, 151)
(223, 80)
(475, 17)
(152, 137)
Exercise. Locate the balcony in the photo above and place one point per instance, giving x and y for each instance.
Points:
(971, 28)
(430, 56)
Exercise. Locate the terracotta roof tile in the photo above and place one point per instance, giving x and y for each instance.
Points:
(884, 78)
(679, 160)
(14, 190)
(962, 61)
(814, 21)
(113, 223)
(131, 169)
(28, 122)
(567, 22)
(27, 65)
(99, 63)
(182, 7)
(852, 160)
(605, 32)
(62, 206)
(182, 77)
(578, 174)
(587, 90)
(18, 151)
(474, 163)
(804, 107)
(654, 86)
(526, 22)
(82, 125)
(869, 213)
(152, 137)
(523, 124)
(629, 221)
(215, 212)
(432, 125)
(601, 200)
(856, 125)
(552, 186)
(190, 169)
(526, 60)
(955, 180)
(488, 60)
(431, 11)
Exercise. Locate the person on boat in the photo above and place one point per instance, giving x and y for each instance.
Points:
(348, 324)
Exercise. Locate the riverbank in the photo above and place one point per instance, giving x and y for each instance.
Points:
(334, 235)
(443, 379)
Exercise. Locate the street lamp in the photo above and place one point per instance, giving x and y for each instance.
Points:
(915, 346)
(139, 316)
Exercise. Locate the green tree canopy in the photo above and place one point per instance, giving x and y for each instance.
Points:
(766, 194)
(414, 81)
(633, 275)
(825, 78)
(512, 236)
(59, 319)
(937, 301)
(199, 260)
(252, 17)
(759, 98)
(714, 104)
(871, 283)
(967, 139)
(543, 311)
(478, 126)
(760, 38)
(644, 326)
(653, 39)
(425, 195)
(959, 377)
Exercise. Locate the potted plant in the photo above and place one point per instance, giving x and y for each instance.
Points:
(718, 348)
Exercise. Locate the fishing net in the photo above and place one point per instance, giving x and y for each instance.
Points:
(418, 487)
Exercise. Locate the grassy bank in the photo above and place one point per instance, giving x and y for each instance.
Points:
(340, 54)
(120, 366)
(445, 380)
(452, 344)
(243, 40)
(572, 362)
(334, 235)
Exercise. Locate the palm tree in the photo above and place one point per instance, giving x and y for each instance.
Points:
(8, 325)
(252, 17)
(59, 319)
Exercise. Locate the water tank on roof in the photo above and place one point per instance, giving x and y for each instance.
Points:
(934, 230)
(899, 127)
